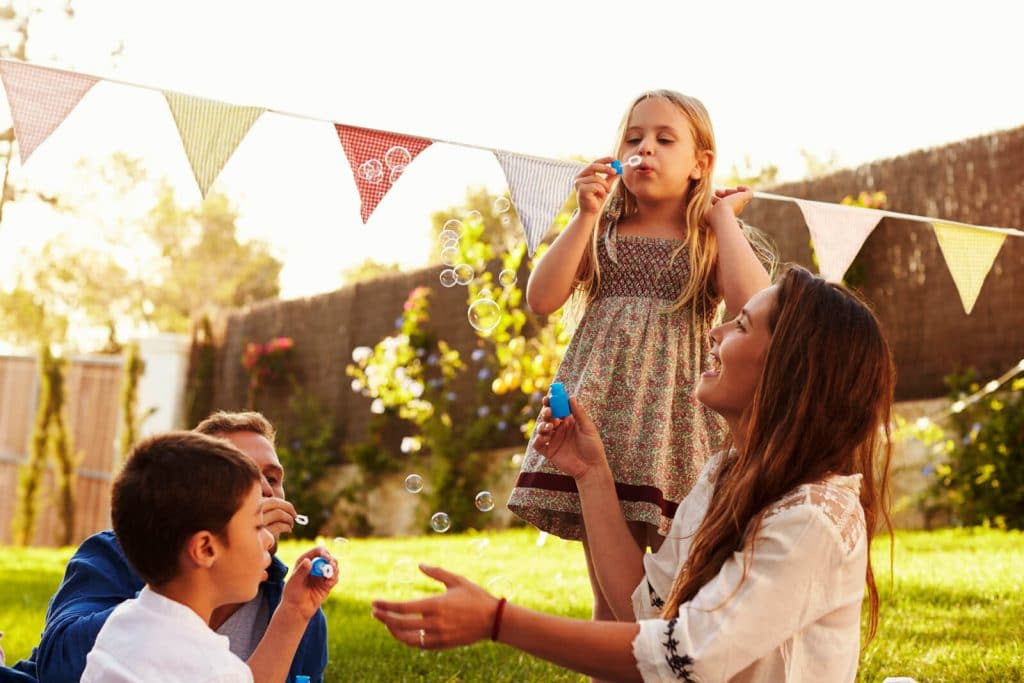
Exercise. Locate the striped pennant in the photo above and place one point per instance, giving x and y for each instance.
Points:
(40, 99)
(969, 255)
(838, 231)
(539, 188)
(210, 132)
(378, 159)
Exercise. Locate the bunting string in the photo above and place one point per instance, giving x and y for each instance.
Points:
(960, 404)
(41, 98)
(885, 213)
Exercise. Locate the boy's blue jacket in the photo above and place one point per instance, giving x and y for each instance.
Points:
(97, 580)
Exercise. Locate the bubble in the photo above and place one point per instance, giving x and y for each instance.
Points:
(404, 571)
(414, 483)
(507, 278)
(397, 156)
(505, 220)
(484, 501)
(634, 160)
(448, 235)
(396, 173)
(502, 204)
(464, 273)
(371, 170)
(339, 548)
(449, 256)
(448, 278)
(453, 224)
(484, 315)
(474, 216)
(440, 523)
(484, 293)
(501, 587)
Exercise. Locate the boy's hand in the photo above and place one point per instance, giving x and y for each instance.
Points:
(735, 198)
(305, 593)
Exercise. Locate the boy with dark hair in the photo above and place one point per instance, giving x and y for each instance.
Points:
(187, 511)
(99, 578)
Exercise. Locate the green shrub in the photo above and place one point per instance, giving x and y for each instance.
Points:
(980, 473)
(307, 447)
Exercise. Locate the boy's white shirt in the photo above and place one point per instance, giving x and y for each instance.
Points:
(154, 639)
(796, 617)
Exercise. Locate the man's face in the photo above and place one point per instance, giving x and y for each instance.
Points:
(278, 514)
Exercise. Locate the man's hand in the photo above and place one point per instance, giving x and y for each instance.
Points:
(278, 516)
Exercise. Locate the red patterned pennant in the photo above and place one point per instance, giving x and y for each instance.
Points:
(378, 159)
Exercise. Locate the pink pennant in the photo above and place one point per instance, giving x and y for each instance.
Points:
(378, 159)
(40, 99)
(838, 232)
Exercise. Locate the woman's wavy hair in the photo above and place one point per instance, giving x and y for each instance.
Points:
(821, 407)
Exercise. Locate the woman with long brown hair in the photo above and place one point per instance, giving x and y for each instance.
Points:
(762, 574)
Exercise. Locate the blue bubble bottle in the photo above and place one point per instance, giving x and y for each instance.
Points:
(558, 400)
(321, 567)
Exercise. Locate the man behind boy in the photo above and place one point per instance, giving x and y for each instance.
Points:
(188, 512)
(98, 578)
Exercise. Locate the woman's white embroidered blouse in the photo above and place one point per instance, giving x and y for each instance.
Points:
(795, 618)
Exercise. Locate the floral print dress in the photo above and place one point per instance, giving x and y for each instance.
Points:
(635, 368)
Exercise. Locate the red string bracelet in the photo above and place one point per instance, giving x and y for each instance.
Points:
(497, 619)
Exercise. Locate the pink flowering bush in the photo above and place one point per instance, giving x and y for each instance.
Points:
(267, 364)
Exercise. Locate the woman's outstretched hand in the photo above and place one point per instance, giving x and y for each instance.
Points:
(461, 615)
(572, 444)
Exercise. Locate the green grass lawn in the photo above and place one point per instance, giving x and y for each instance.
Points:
(954, 612)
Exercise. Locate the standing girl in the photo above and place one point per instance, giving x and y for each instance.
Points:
(649, 256)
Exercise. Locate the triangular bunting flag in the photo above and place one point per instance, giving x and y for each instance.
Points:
(210, 132)
(539, 188)
(40, 99)
(378, 158)
(838, 232)
(969, 255)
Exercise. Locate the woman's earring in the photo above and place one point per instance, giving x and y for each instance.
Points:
(614, 209)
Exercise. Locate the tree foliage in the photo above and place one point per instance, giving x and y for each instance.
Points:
(50, 440)
(154, 269)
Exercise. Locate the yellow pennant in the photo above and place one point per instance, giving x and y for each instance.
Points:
(969, 255)
(210, 132)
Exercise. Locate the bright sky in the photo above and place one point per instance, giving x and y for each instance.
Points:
(860, 80)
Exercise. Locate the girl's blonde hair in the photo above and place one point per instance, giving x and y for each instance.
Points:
(700, 244)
